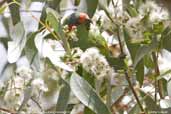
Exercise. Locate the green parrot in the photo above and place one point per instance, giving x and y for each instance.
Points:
(75, 19)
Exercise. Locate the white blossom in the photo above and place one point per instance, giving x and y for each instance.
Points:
(95, 63)
(157, 13)
(25, 73)
(39, 84)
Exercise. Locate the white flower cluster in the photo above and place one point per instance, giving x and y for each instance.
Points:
(17, 86)
(39, 85)
(135, 27)
(15, 91)
(157, 13)
(95, 63)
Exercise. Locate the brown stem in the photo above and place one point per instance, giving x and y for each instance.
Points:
(36, 103)
(158, 84)
(126, 73)
(133, 91)
(2, 2)
(7, 110)
(122, 54)
(119, 39)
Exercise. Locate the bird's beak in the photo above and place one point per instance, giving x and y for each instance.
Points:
(89, 21)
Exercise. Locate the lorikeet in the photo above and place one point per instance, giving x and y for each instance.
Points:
(75, 19)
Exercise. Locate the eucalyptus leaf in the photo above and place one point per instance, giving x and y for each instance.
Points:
(63, 98)
(46, 50)
(3, 58)
(165, 103)
(15, 12)
(149, 102)
(133, 50)
(135, 109)
(144, 50)
(18, 42)
(87, 95)
(53, 18)
(88, 6)
(162, 75)
(166, 40)
(82, 34)
(169, 88)
(30, 48)
(2, 9)
(140, 72)
(117, 92)
(132, 11)
(54, 4)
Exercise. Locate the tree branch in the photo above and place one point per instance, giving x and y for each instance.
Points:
(2, 2)
(7, 110)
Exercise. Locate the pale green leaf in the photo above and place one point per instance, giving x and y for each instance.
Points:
(144, 50)
(53, 18)
(63, 98)
(87, 95)
(17, 44)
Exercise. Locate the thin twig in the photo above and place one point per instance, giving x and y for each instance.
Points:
(7, 110)
(126, 72)
(46, 26)
(36, 103)
(2, 2)
(119, 39)
(127, 76)
(158, 84)
(133, 91)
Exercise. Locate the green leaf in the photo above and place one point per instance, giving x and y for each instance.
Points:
(117, 92)
(131, 46)
(92, 5)
(148, 62)
(7, 72)
(87, 95)
(82, 34)
(158, 27)
(30, 48)
(162, 75)
(63, 98)
(31, 52)
(169, 88)
(88, 6)
(76, 2)
(88, 111)
(149, 102)
(133, 50)
(165, 103)
(2, 9)
(96, 39)
(18, 42)
(54, 4)
(117, 63)
(53, 19)
(135, 109)
(15, 12)
(47, 51)
(144, 50)
(140, 72)
(132, 11)
(166, 40)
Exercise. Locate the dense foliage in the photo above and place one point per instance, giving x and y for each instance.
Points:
(119, 64)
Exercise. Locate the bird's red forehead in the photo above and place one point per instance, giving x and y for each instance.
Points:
(83, 17)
